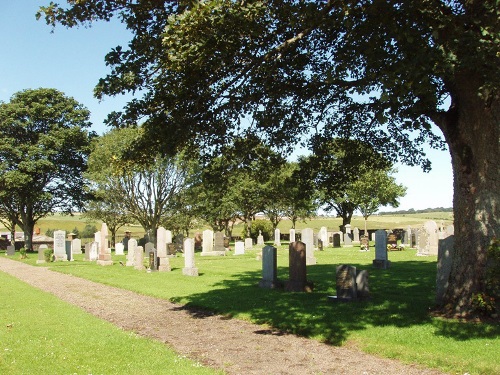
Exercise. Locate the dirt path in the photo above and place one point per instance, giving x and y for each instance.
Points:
(235, 346)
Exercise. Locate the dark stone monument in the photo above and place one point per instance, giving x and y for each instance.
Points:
(219, 242)
(269, 268)
(69, 253)
(320, 245)
(297, 269)
(179, 242)
(346, 283)
(153, 260)
(392, 241)
(336, 240)
(171, 249)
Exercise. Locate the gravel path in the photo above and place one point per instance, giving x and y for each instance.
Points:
(236, 346)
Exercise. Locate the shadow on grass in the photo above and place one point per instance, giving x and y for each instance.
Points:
(401, 296)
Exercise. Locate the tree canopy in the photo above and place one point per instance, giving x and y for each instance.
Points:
(44, 146)
(378, 71)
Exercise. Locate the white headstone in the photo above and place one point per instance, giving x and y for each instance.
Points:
(189, 265)
(132, 247)
(94, 251)
(161, 250)
(323, 236)
(292, 235)
(76, 246)
(119, 248)
(260, 238)
(60, 245)
(104, 250)
(239, 248)
(308, 240)
(248, 244)
(277, 237)
(138, 257)
(208, 241)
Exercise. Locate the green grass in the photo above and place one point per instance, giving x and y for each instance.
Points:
(395, 323)
(39, 334)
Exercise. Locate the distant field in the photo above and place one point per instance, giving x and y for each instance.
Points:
(68, 223)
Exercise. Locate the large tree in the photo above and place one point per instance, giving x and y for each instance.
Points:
(379, 71)
(44, 146)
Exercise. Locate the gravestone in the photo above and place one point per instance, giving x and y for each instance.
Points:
(86, 257)
(132, 248)
(355, 234)
(171, 249)
(148, 246)
(41, 253)
(364, 244)
(189, 264)
(308, 241)
(292, 235)
(76, 246)
(161, 250)
(260, 239)
(347, 240)
(97, 237)
(179, 242)
(428, 239)
(94, 251)
(323, 236)
(69, 254)
(198, 241)
(60, 245)
(153, 260)
(239, 248)
(248, 244)
(11, 250)
(297, 281)
(336, 240)
(138, 258)
(219, 248)
(362, 286)
(392, 241)
(277, 237)
(320, 244)
(381, 261)
(445, 260)
(119, 248)
(346, 283)
(104, 250)
(347, 228)
(207, 245)
(269, 268)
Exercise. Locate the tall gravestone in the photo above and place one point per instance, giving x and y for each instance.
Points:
(161, 249)
(76, 246)
(132, 248)
(248, 244)
(60, 245)
(41, 253)
(381, 261)
(208, 242)
(355, 234)
(104, 250)
(260, 239)
(336, 240)
(347, 240)
(239, 248)
(94, 251)
(297, 269)
(308, 240)
(277, 237)
(269, 268)
(362, 285)
(119, 248)
(69, 251)
(445, 260)
(138, 258)
(292, 235)
(189, 263)
(428, 238)
(323, 236)
(346, 283)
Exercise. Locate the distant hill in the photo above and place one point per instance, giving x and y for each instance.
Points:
(413, 211)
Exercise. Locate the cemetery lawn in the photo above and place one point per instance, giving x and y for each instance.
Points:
(41, 334)
(395, 323)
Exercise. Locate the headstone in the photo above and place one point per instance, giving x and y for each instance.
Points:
(292, 235)
(86, 257)
(427, 239)
(239, 248)
(94, 251)
(348, 228)
(11, 250)
(132, 249)
(364, 244)
(308, 241)
(41, 253)
(198, 240)
(148, 247)
(373, 237)
(392, 241)
(161, 250)
(346, 283)
(208, 242)
(76, 246)
(336, 240)
(153, 260)
(119, 248)
(179, 242)
(171, 249)
(347, 240)
(189, 264)
(355, 234)
(277, 237)
(219, 247)
(69, 254)
(97, 237)
(269, 268)
(248, 244)
(407, 237)
(445, 260)
(260, 239)
(450, 231)
(297, 268)
(381, 261)
(362, 285)
(104, 250)
(138, 258)
(60, 245)
(323, 236)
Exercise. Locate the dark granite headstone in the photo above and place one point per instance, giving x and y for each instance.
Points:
(320, 245)
(219, 241)
(346, 283)
(297, 268)
(336, 240)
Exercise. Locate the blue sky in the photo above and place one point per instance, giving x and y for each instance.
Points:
(72, 61)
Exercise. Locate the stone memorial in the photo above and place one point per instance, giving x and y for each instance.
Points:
(362, 285)
(152, 260)
(248, 244)
(119, 248)
(104, 250)
(11, 250)
(76, 246)
(292, 235)
(428, 239)
(297, 281)
(189, 263)
(392, 242)
(219, 248)
(364, 243)
(347, 240)
(336, 240)
(277, 237)
(86, 257)
(138, 257)
(320, 244)
(260, 239)
(445, 260)
(239, 248)
(132, 248)
(161, 250)
(381, 261)
(179, 242)
(41, 253)
(208, 242)
(60, 245)
(346, 283)
(269, 268)
(69, 253)
(355, 236)
(308, 240)
(323, 236)
(94, 251)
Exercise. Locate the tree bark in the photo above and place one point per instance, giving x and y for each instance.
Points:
(471, 129)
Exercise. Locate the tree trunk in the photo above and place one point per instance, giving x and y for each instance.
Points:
(471, 129)
(28, 225)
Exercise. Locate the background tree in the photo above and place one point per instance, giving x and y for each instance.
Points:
(378, 71)
(146, 190)
(44, 146)
(374, 189)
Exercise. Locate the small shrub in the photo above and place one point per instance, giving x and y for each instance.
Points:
(48, 255)
(88, 231)
(264, 226)
(49, 232)
(22, 251)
